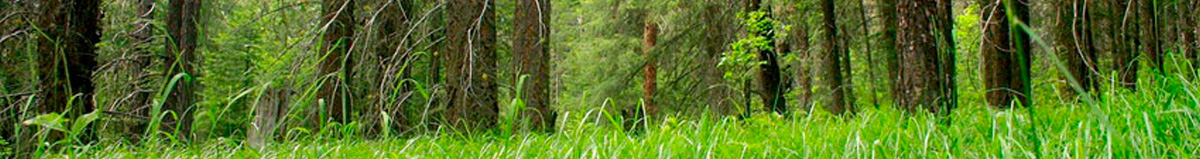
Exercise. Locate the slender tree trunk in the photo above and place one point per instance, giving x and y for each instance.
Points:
(471, 65)
(182, 19)
(650, 70)
(1006, 53)
(832, 63)
(768, 73)
(532, 48)
(922, 84)
(334, 68)
(1125, 44)
(1076, 48)
(866, 39)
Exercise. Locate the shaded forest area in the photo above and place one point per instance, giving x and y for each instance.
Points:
(130, 72)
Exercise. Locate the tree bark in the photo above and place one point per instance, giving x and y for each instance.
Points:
(66, 50)
(922, 85)
(470, 64)
(650, 70)
(768, 72)
(832, 63)
(1076, 46)
(532, 48)
(1006, 53)
(334, 68)
(181, 59)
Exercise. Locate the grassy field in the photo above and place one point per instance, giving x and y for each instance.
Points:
(1161, 121)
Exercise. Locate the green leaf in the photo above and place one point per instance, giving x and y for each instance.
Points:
(82, 122)
(53, 121)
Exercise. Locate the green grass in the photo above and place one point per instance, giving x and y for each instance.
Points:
(1161, 121)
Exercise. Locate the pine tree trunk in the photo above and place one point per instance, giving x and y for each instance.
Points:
(1076, 48)
(832, 63)
(1006, 54)
(470, 64)
(334, 68)
(650, 70)
(922, 85)
(532, 48)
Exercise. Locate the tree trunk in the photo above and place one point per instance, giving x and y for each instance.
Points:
(532, 48)
(922, 85)
(470, 64)
(1125, 43)
(650, 70)
(715, 44)
(1076, 47)
(181, 59)
(768, 72)
(396, 59)
(66, 50)
(866, 39)
(334, 69)
(1006, 53)
(832, 63)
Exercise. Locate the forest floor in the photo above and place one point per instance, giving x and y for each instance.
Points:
(1161, 121)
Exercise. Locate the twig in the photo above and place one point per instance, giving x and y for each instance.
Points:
(17, 94)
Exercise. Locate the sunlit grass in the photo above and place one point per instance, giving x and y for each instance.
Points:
(1158, 122)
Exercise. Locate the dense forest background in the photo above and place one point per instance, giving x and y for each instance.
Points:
(1048, 78)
